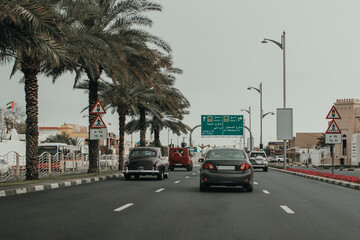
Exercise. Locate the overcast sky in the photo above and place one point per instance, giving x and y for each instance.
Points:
(217, 43)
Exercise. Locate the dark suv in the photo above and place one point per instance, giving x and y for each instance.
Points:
(181, 158)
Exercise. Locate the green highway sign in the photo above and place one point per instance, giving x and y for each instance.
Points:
(222, 125)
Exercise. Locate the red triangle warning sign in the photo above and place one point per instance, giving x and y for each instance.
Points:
(333, 114)
(333, 128)
(98, 108)
(98, 123)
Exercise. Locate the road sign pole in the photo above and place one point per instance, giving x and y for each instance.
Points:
(98, 154)
(332, 157)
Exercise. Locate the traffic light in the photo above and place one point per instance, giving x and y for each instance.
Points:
(261, 147)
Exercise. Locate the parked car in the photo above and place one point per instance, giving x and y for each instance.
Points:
(5, 168)
(146, 161)
(272, 159)
(180, 158)
(259, 160)
(280, 158)
(226, 167)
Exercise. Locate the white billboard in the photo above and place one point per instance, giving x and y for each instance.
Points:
(284, 123)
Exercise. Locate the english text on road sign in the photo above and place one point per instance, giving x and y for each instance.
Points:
(332, 138)
(98, 108)
(96, 133)
(333, 114)
(333, 128)
(98, 123)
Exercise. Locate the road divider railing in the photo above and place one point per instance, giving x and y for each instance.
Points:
(13, 165)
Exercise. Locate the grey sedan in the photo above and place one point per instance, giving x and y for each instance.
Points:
(226, 167)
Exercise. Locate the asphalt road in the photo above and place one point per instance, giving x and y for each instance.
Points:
(282, 206)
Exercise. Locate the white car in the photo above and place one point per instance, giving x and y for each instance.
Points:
(259, 160)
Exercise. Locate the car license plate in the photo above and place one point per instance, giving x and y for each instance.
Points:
(178, 164)
(229, 168)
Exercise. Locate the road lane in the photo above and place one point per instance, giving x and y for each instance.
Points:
(181, 211)
(322, 211)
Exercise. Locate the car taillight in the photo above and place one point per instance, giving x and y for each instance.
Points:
(245, 166)
(208, 166)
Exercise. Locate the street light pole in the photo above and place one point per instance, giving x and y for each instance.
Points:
(259, 90)
(249, 112)
(282, 47)
(261, 117)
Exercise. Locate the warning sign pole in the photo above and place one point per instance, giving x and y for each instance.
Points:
(333, 133)
(98, 123)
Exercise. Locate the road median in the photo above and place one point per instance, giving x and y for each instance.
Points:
(347, 184)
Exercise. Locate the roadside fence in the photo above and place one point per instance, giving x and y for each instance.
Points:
(13, 165)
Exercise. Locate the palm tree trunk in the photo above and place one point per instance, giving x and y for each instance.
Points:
(122, 119)
(142, 126)
(157, 138)
(30, 68)
(93, 144)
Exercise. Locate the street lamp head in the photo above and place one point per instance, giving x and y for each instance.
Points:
(249, 88)
(264, 41)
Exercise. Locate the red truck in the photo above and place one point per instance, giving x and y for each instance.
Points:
(180, 158)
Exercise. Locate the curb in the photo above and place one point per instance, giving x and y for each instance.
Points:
(355, 186)
(54, 185)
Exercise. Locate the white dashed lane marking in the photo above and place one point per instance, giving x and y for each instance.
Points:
(255, 183)
(160, 190)
(123, 207)
(266, 192)
(187, 177)
(287, 209)
(194, 173)
(177, 182)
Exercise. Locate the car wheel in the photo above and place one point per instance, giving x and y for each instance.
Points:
(249, 188)
(127, 176)
(265, 169)
(188, 168)
(137, 177)
(171, 168)
(203, 187)
(167, 174)
(161, 175)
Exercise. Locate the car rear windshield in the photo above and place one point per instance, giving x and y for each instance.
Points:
(179, 151)
(143, 153)
(257, 154)
(226, 154)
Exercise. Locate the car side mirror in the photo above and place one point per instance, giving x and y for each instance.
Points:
(201, 159)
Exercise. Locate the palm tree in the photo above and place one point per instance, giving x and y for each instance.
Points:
(172, 106)
(106, 26)
(321, 141)
(63, 138)
(124, 97)
(32, 34)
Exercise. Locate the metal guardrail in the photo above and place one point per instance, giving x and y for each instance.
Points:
(13, 166)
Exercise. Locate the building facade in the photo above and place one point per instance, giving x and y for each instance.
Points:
(349, 124)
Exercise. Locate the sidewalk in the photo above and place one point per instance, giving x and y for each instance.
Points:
(21, 187)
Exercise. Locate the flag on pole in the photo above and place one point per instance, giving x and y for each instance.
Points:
(10, 105)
